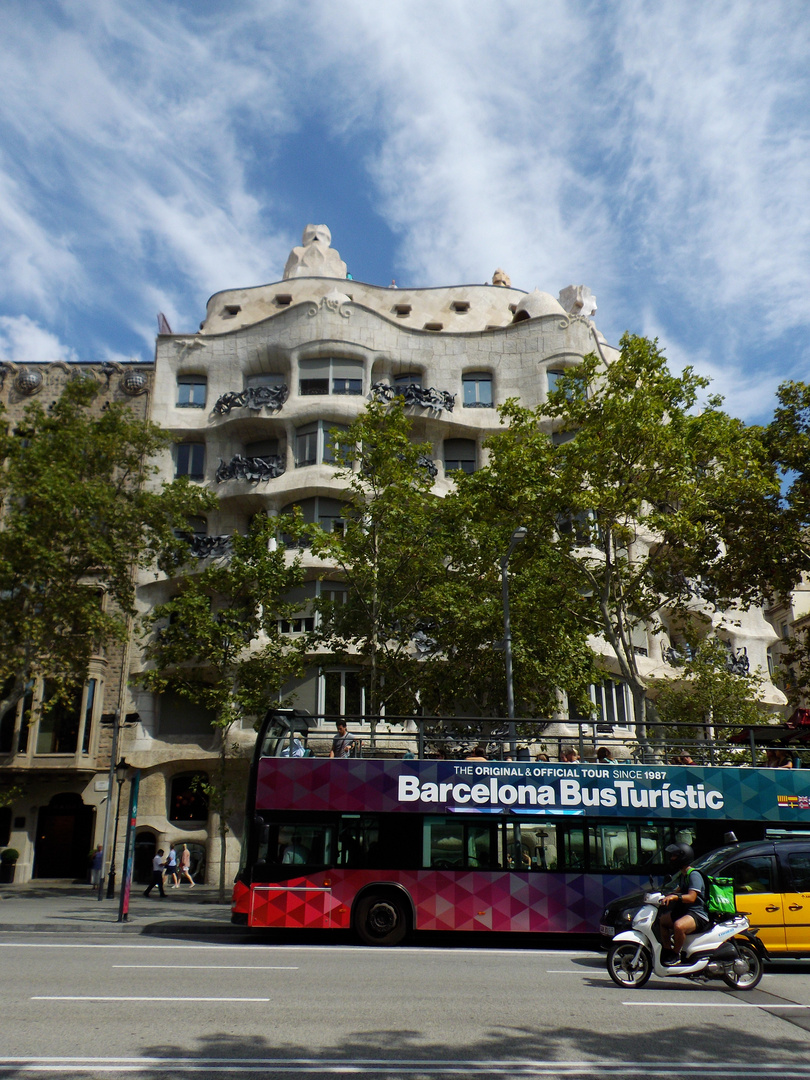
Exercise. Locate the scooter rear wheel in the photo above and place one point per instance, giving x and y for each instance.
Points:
(628, 965)
(748, 979)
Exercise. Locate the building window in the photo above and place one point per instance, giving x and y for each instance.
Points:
(343, 693)
(191, 460)
(24, 711)
(191, 391)
(89, 702)
(612, 703)
(265, 379)
(188, 801)
(328, 513)
(7, 731)
(412, 378)
(330, 375)
(553, 377)
(267, 448)
(314, 443)
(303, 620)
(58, 730)
(477, 386)
(459, 454)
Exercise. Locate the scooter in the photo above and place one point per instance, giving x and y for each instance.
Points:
(730, 951)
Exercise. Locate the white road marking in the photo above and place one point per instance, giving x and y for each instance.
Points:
(209, 967)
(712, 1005)
(373, 950)
(179, 1000)
(401, 1067)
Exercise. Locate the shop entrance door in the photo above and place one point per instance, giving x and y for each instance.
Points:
(64, 838)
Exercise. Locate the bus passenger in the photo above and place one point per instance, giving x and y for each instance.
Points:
(343, 742)
(477, 754)
(778, 759)
(570, 755)
(604, 758)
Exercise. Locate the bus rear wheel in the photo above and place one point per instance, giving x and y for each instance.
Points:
(381, 919)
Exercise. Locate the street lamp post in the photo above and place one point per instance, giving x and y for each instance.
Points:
(518, 536)
(121, 770)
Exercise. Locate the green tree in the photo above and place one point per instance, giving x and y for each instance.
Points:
(709, 697)
(218, 644)
(424, 607)
(388, 551)
(658, 502)
(78, 518)
(788, 438)
(548, 612)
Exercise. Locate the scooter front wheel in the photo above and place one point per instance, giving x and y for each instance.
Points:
(750, 968)
(628, 965)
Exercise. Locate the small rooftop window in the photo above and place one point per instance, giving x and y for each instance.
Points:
(460, 306)
(433, 326)
(230, 310)
(402, 310)
(283, 299)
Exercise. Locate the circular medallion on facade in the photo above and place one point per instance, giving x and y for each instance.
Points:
(133, 383)
(28, 381)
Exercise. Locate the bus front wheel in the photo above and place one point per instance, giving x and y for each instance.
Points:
(381, 919)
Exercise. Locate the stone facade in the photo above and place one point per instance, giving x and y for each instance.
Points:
(272, 367)
(249, 398)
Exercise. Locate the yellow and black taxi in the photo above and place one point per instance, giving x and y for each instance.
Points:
(771, 885)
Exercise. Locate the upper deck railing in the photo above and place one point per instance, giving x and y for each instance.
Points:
(289, 732)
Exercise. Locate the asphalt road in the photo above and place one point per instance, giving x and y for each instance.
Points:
(112, 1007)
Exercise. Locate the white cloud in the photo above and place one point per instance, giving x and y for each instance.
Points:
(657, 153)
(22, 341)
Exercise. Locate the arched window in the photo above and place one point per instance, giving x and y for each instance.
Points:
(188, 801)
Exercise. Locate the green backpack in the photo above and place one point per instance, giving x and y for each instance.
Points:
(720, 902)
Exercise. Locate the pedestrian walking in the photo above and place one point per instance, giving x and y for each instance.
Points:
(171, 867)
(157, 874)
(96, 865)
(185, 863)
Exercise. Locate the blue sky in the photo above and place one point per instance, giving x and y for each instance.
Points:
(152, 153)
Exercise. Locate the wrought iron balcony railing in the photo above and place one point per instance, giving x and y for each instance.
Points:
(253, 469)
(252, 397)
(429, 398)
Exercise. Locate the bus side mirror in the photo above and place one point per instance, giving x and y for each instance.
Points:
(262, 830)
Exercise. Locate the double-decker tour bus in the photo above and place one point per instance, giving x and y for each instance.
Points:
(386, 846)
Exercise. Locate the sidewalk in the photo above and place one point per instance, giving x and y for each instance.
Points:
(58, 908)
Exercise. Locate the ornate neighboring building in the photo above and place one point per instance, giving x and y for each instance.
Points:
(60, 762)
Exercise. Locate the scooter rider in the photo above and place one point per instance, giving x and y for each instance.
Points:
(686, 907)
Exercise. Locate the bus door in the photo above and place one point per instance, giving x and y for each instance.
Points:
(756, 885)
(295, 850)
(797, 900)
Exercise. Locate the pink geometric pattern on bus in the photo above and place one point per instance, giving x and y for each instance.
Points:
(447, 900)
(297, 908)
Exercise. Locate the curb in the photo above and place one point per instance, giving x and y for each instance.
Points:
(130, 927)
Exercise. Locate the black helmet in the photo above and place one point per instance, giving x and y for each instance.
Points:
(678, 856)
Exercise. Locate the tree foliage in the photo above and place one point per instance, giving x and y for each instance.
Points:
(710, 698)
(389, 552)
(660, 504)
(77, 518)
(218, 642)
